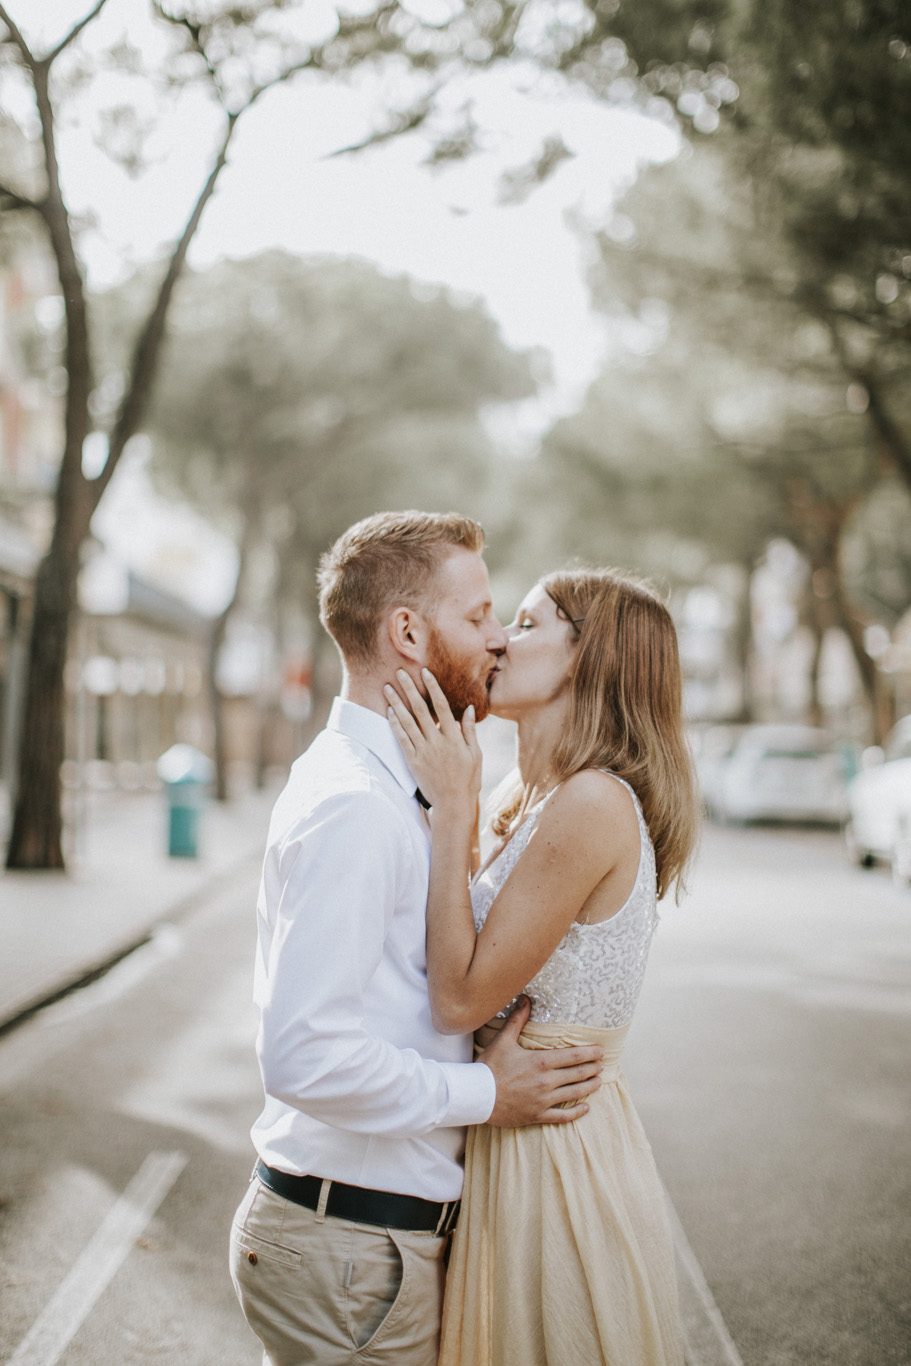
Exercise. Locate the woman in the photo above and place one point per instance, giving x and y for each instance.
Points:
(562, 1255)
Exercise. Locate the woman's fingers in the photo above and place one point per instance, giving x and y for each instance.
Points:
(416, 718)
(419, 709)
(401, 734)
(448, 723)
(404, 718)
(470, 730)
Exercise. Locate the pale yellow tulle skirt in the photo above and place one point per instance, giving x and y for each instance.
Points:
(563, 1255)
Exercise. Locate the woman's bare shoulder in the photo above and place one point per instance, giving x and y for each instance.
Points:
(590, 803)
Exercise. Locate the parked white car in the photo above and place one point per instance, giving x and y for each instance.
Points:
(879, 805)
(783, 773)
(712, 749)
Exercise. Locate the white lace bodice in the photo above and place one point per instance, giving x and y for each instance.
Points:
(595, 974)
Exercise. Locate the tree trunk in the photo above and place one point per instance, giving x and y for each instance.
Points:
(882, 709)
(833, 608)
(817, 631)
(36, 840)
(819, 615)
(216, 703)
(742, 639)
(268, 714)
(251, 512)
(819, 522)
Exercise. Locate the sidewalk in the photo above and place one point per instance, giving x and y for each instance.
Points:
(58, 928)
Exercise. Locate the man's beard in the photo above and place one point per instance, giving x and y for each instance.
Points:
(462, 688)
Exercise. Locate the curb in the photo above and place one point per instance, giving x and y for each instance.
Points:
(87, 973)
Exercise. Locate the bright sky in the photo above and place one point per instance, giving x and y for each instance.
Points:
(282, 188)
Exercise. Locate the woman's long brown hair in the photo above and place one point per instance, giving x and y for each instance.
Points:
(625, 711)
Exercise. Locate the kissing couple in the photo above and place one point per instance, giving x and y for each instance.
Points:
(450, 1169)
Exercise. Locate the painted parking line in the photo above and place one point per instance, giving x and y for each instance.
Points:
(708, 1342)
(706, 1336)
(95, 1268)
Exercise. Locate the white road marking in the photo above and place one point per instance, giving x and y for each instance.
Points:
(95, 1268)
(707, 1340)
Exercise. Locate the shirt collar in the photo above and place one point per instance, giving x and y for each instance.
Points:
(375, 733)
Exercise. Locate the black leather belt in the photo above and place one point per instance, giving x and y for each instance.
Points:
(383, 1208)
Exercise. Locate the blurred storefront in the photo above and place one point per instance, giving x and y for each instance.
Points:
(135, 678)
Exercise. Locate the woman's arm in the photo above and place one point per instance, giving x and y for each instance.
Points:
(578, 839)
(445, 759)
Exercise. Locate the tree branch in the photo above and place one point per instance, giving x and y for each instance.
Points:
(405, 123)
(303, 65)
(195, 34)
(70, 483)
(504, 41)
(194, 31)
(16, 35)
(75, 31)
(148, 345)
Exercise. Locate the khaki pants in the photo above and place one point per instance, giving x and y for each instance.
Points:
(330, 1292)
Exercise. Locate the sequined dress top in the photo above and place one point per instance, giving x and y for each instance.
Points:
(595, 974)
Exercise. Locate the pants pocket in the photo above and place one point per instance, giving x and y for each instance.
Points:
(373, 1283)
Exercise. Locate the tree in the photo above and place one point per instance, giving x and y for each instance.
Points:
(731, 425)
(778, 404)
(297, 395)
(809, 108)
(812, 104)
(640, 477)
(237, 53)
(702, 56)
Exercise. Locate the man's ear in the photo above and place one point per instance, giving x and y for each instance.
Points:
(408, 635)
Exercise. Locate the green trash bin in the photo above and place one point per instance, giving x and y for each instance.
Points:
(185, 774)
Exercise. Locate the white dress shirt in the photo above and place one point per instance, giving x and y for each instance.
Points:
(359, 1085)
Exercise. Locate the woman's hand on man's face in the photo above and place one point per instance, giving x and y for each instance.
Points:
(443, 755)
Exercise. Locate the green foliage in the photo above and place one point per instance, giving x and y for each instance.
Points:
(765, 373)
(687, 35)
(781, 253)
(319, 391)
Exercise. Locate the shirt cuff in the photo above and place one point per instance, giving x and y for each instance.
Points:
(472, 1093)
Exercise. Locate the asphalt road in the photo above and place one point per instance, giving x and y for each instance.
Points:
(145, 1084)
(769, 1061)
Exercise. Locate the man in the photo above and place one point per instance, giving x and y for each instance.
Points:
(337, 1249)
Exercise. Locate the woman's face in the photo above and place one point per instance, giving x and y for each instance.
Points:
(535, 668)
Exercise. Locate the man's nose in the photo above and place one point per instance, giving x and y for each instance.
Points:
(497, 640)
